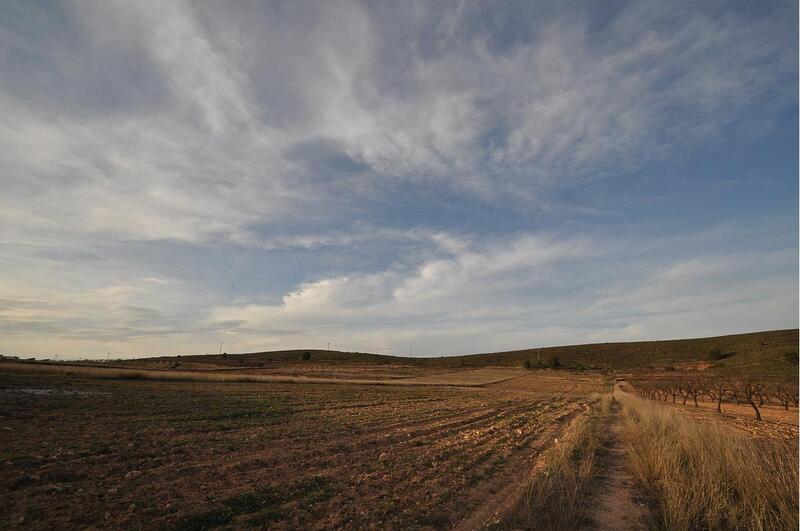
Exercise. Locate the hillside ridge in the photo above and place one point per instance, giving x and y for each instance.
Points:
(767, 352)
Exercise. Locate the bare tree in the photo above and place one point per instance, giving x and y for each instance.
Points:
(694, 389)
(749, 389)
(662, 392)
(681, 387)
(673, 389)
(718, 389)
(782, 394)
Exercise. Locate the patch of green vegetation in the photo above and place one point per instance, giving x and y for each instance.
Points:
(261, 506)
(200, 412)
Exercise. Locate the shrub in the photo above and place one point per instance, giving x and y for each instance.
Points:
(527, 363)
(791, 357)
(717, 354)
(554, 362)
(306, 356)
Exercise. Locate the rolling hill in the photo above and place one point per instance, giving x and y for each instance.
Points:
(771, 353)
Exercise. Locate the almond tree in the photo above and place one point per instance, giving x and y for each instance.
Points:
(718, 389)
(673, 389)
(783, 393)
(749, 390)
(681, 387)
(661, 392)
(693, 389)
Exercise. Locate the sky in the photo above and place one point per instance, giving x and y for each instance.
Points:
(448, 177)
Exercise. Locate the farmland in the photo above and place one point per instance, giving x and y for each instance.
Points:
(325, 440)
(81, 451)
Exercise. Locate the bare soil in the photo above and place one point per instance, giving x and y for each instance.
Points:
(115, 453)
(506, 492)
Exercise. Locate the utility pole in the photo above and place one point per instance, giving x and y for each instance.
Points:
(329, 345)
(411, 351)
(538, 360)
(220, 347)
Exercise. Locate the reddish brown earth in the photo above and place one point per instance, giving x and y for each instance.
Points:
(113, 453)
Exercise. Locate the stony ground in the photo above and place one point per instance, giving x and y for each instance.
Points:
(85, 452)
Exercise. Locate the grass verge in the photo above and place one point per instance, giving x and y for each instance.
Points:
(557, 497)
(706, 475)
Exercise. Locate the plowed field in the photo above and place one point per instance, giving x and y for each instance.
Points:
(77, 451)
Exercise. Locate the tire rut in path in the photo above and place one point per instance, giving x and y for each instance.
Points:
(613, 504)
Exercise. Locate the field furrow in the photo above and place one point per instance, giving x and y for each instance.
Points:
(198, 455)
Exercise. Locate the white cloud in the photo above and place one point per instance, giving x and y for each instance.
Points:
(431, 287)
(207, 160)
(292, 128)
(514, 294)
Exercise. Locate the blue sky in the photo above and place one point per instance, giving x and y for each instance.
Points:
(457, 177)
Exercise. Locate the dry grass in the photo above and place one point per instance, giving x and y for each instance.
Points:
(463, 378)
(557, 498)
(703, 475)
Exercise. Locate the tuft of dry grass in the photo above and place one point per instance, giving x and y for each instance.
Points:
(706, 475)
(557, 497)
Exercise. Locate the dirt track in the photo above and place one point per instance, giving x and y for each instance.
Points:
(614, 500)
